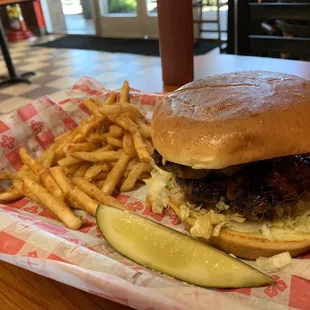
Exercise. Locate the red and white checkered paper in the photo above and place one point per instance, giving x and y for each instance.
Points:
(32, 238)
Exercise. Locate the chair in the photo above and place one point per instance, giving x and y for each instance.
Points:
(202, 20)
(251, 39)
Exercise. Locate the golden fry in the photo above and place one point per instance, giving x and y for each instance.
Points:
(82, 169)
(11, 195)
(115, 142)
(132, 110)
(116, 131)
(110, 109)
(44, 175)
(8, 175)
(69, 161)
(92, 106)
(49, 159)
(101, 176)
(61, 179)
(97, 156)
(97, 137)
(50, 184)
(107, 147)
(115, 174)
(61, 137)
(140, 147)
(94, 170)
(19, 185)
(128, 145)
(149, 146)
(124, 95)
(124, 121)
(96, 193)
(144, 129)
(65, 184)
(83, 201)
(78, 147)
(111, 99)
(55, 205)
(121, 108)
(87, 128)
(130, 165)
(134, 174)
(70, 170)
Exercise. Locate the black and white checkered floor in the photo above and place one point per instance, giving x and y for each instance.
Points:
(58, 69)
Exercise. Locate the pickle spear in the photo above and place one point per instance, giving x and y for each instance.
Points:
(170, 252)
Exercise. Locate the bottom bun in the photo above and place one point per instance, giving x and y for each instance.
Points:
(254, 245)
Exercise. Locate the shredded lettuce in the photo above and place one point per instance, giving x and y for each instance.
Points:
(274, 262)
(162, 188)
(221, 205)
(266, 232)
(217, 228)
(204, 225)
(156, 189)
(184, 211)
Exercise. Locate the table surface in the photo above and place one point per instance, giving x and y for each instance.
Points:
(21, 289)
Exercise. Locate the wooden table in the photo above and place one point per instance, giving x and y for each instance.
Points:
(21, 289)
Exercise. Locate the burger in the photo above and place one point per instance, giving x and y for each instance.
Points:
(232, 160)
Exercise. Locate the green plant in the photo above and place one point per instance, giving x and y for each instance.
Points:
(122, 6)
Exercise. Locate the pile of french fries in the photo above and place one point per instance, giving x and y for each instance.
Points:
(108, 152)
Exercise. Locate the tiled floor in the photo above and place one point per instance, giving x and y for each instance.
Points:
(59, 69)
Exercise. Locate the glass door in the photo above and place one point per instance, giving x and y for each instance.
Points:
(127, 18)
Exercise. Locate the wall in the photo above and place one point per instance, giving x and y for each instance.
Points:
(54, 16)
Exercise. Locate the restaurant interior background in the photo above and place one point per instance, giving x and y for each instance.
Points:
(75, 38)
(116, 40)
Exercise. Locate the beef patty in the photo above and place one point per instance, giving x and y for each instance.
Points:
(252, 189)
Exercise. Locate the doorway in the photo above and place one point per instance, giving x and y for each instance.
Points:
(127, 19)
(78, 17)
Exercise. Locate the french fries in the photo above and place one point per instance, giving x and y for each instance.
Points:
(81, 170)
(55, 205)
(115, 174)
(69, 161)
(10, 196)
(134, 175)
(97, 156)
(116, 131)
(94, 170)
(108, 152)
(124, 95)
(141, 147)
(41, 172)
(115, 142)
(124, 121)
(78, 147)
(144, 129)
(128, 145)
(96, 193)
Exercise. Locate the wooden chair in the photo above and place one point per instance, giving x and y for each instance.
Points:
(251, 41)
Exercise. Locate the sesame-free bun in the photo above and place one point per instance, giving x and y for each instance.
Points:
(254, 245)
(251, 245)
(233, 118)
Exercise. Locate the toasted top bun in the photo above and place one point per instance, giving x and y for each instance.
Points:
(233, 118)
